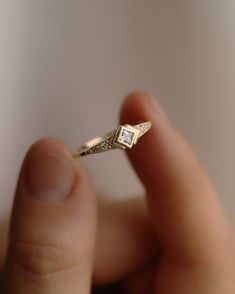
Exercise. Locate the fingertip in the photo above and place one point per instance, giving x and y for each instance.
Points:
(51, 145)
(48, 169)
(130, 109)
(50, 161)
(137, 106)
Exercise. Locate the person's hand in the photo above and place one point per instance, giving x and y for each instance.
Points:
(188, 248)
(197, 246)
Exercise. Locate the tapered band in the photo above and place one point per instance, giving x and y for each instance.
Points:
(124, 137)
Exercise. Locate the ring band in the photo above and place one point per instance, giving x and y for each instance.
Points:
(124, 137)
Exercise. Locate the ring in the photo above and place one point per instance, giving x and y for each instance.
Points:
(124, 137)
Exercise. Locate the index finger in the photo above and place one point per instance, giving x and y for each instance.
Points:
(185, 210)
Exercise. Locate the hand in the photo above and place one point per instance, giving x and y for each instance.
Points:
(52, 236)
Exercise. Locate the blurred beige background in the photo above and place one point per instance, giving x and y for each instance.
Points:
(66, 66)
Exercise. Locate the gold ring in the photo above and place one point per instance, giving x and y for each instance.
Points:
(124, 137)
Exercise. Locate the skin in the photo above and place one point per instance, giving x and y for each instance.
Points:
(175, 239)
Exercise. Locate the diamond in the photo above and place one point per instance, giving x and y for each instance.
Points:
(127, 137)
(143, 128)
(101, 147)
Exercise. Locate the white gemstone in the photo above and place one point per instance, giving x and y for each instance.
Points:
(127, 137)
(144, 127)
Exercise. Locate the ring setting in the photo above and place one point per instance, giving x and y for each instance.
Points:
(124, 137)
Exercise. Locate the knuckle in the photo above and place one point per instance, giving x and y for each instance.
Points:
(43, 259)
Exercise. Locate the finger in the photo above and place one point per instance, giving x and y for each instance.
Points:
(125, 240)
(185, 210)
(53, 225)
(4, 228)
(140, 282)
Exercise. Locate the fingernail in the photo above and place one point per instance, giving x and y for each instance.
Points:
(49, 176)
(155, 106)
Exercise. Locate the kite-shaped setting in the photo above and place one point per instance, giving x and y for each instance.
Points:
(124, 137)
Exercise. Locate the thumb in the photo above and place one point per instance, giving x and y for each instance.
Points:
(53, 224)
